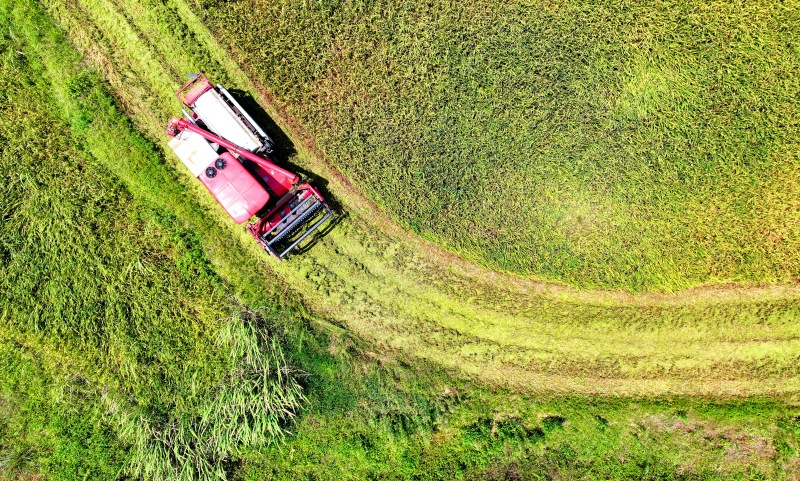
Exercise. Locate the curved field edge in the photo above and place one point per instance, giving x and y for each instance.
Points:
(641, 146)
(402, 294)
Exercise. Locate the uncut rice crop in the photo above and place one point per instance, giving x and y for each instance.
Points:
(625, 145)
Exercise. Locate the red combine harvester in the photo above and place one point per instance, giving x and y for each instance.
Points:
(225, 149)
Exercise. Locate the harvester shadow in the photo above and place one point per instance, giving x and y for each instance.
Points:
(284, 147)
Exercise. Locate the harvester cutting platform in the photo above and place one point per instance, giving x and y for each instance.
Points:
(225, 149)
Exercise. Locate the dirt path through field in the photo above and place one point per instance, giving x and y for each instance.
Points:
(405, 295)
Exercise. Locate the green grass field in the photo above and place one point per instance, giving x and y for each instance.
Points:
(637, 146)
(128, 301)
(110, 301)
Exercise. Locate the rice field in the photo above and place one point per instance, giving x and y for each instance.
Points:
(414, 363)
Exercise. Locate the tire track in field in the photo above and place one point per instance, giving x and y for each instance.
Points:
(404, 294)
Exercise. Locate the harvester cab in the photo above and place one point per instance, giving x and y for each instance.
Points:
(237, 172)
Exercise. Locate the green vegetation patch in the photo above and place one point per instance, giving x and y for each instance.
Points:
(622, 145)
(109, 301)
